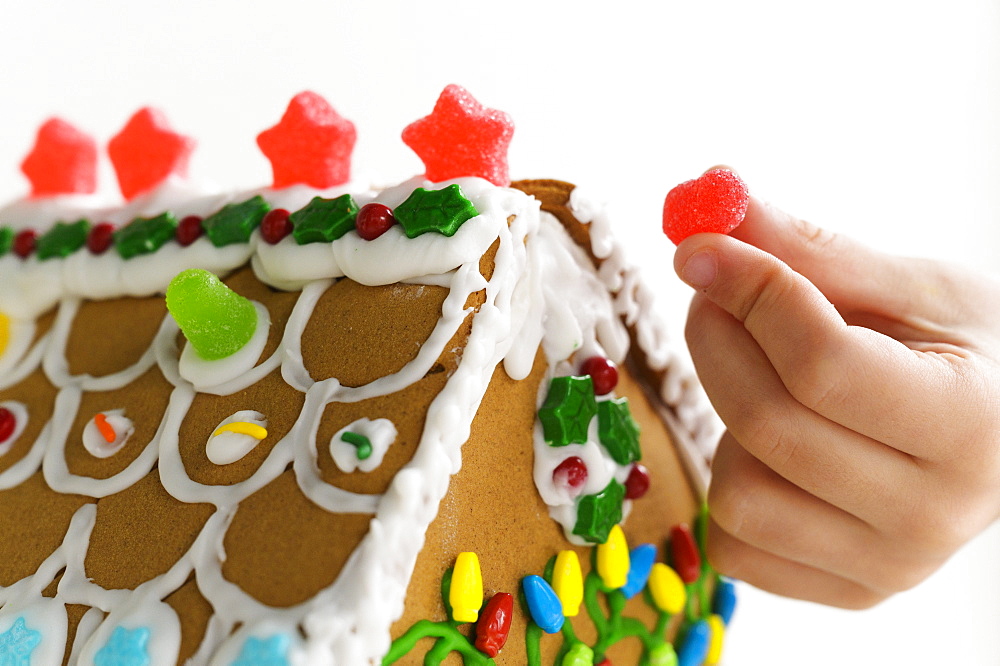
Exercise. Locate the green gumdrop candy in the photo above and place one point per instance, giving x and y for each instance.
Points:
(215, 319)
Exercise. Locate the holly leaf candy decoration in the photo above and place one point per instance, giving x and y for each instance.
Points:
(443, 211)
(62, 161)
(715, 202)
(311, 145)
(145, 235)
(235, 222)
(568, 410)
(146, 152)
(618, 431)
(324, 220)
(597, 514)
(63, 239)
(462, 138)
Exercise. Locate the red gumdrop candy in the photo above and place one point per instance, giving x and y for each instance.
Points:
(570, 473)
(462, 138)
(63, 161)
(603, 373)
(311, 145)
(24, 242)
(715, 202)
(146, 152)
(188, 230)
(100, 237)
(637, 483)
(275, 225)
(373, 220)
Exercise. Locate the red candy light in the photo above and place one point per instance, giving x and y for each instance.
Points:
(99, 237)
(188, 230)
(570, 473)
(63, 161)
(373, 220)
(24, 242)
(493, 626)
(603, 372)
(715, 202)
(684, 554)
(311, 145)
(637, 483)
(275, 225)
(7, 424)
(462, 138)
(146, 152)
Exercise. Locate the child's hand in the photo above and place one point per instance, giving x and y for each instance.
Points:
(861, 395)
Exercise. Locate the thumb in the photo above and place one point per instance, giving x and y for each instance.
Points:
(854, 277)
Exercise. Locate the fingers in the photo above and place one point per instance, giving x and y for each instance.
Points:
(758, 512)
(850, 375)
(824, 458)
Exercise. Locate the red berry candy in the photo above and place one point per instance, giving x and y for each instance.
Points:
(715, 202)
(605, 662)
(373, 220)
(7, 424)
(570, 473)
(603, 372)
(100, 237)
(275, 225)
(24, 242)
(462, 138)
(188, 230)
(637, 482)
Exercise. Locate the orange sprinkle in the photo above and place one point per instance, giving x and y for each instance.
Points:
(101, 421)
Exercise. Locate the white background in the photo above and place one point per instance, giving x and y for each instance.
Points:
(876, 119)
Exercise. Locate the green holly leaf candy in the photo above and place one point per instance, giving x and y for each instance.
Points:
(443, 211)
(568, 410)
(324, 220)
(597, 514)
(6, 240)
(235, 222)
(145, 235)
(618, 431)
(215, 319)
(63, 239)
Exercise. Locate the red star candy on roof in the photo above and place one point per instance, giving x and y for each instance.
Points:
(462, 138)
(311, 145)
(62, 161)
(146, 152)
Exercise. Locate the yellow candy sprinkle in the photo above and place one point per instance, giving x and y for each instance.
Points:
(613, 559)
(242, 428)
(466, 595)
(718, 628)
(669, 593)
(4, 332)
(567, 581)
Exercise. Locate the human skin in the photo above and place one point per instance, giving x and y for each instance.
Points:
(861, 397)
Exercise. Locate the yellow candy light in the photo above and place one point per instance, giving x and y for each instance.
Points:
(667, 588)
(718, 628)
(567, 581)
(242, 428)
(613, 559)
(4, 332)
(466, 594)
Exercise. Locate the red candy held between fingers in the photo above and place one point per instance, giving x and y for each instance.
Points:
(715, 202)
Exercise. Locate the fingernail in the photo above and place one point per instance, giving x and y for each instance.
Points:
(700, 269)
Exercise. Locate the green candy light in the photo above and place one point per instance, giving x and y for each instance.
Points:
(216, 320)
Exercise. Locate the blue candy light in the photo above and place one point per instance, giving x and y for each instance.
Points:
(724, 601)
(641, 559)
(543, 604)
(695, 645)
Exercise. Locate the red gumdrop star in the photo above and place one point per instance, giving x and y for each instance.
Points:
(461, 138)
(146, 152)
(311, 145)
(63, 161)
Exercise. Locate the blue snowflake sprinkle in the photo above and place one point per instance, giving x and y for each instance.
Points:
(270, 651)
(17, 643)
(126, 647)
